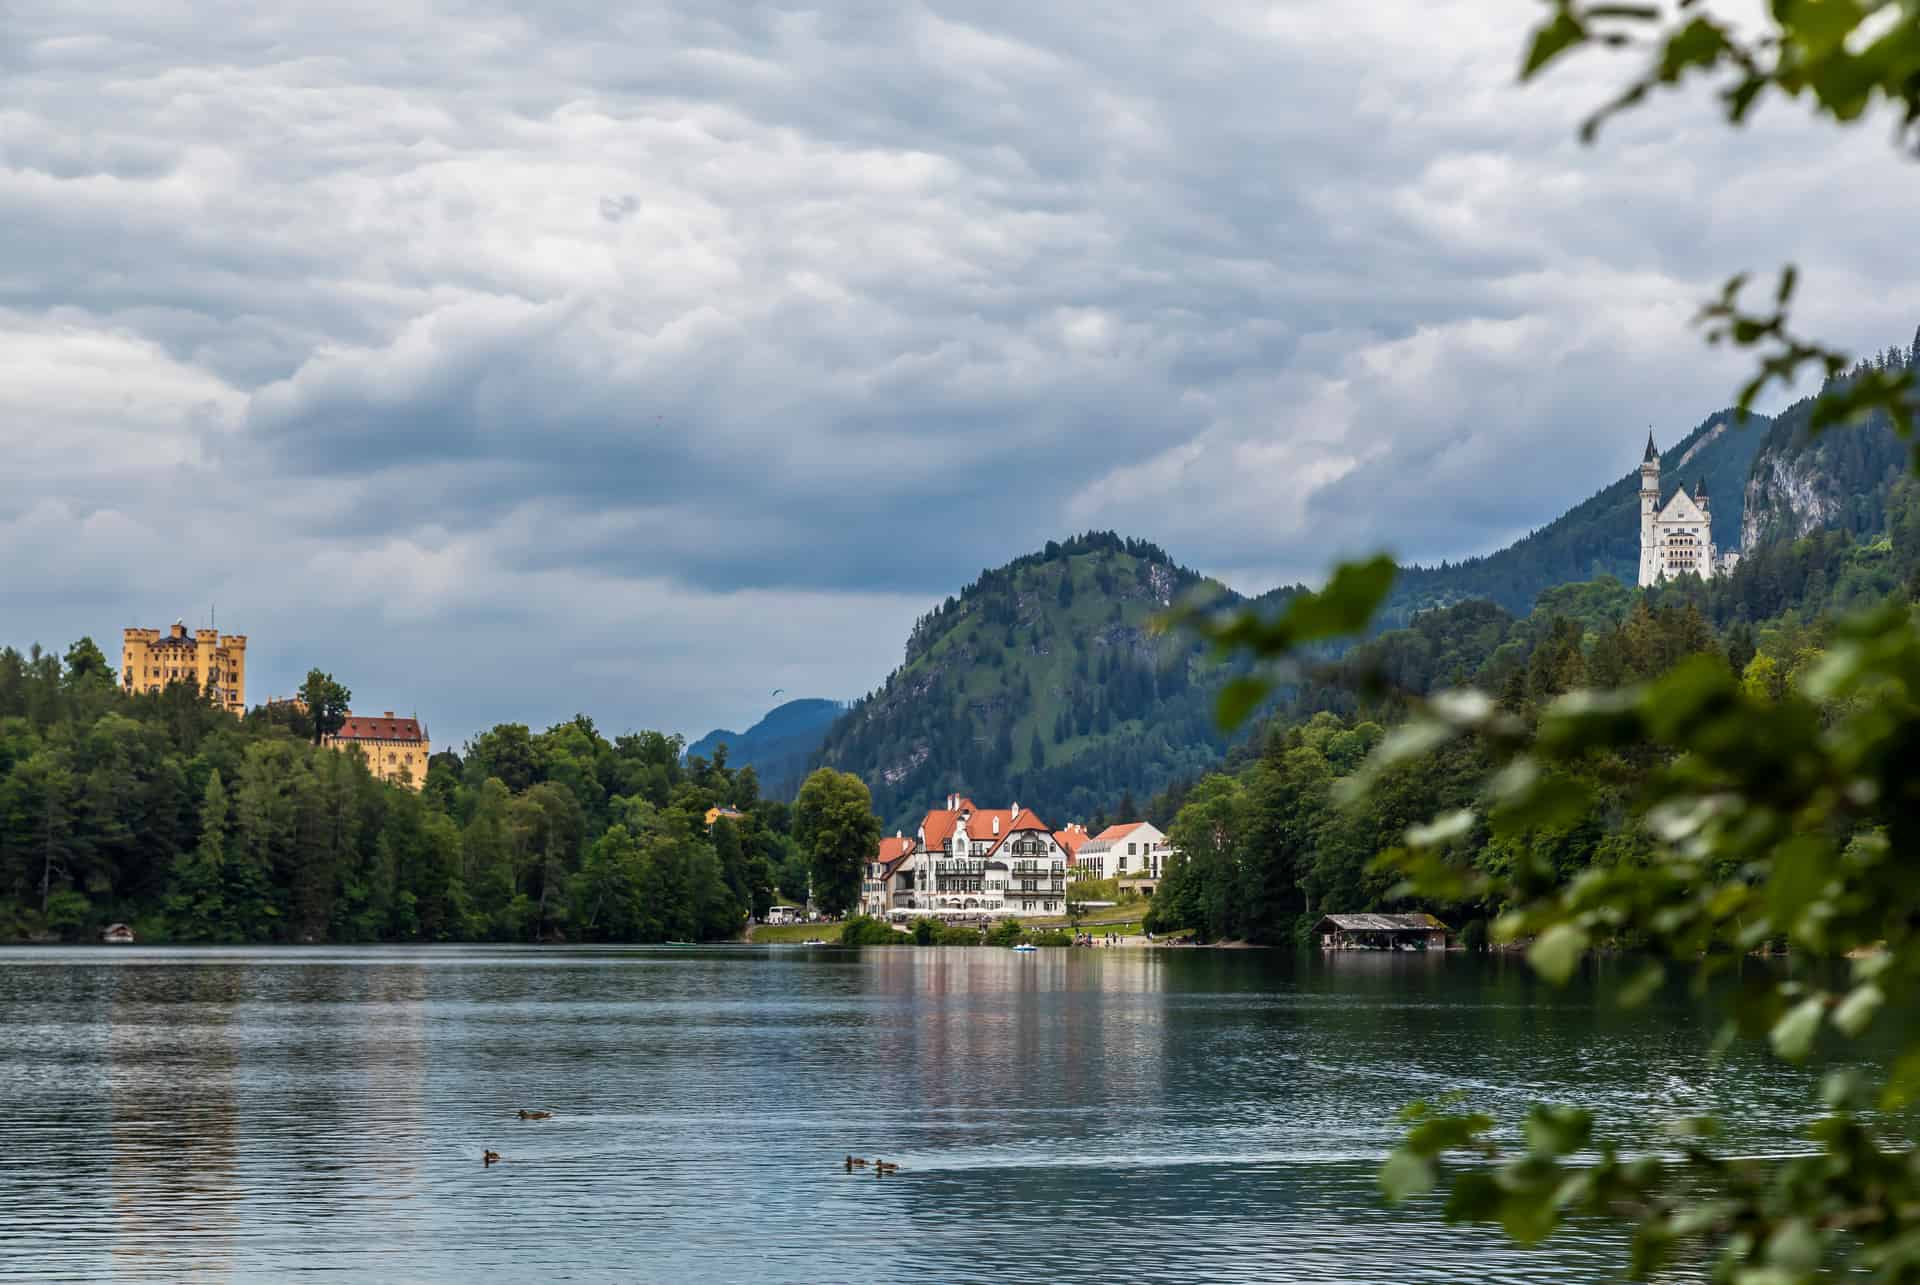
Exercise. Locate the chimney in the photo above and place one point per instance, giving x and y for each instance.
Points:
(388, 714)
(996, 825)
(1016, 810)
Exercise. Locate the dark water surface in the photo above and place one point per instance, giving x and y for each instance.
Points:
(1100, 1116)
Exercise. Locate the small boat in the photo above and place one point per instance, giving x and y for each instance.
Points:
(1026, 947)
(679, 943)
(117, 935)
(814, 941)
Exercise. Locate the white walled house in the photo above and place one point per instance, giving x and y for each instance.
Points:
(968, 863)
(1132, 849)
(887, 876)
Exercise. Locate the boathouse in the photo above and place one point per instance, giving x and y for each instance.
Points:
(1381, 932)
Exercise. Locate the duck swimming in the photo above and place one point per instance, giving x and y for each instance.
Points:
(536, 1115)
(488, 1157)
(881, 1166)
(855, 1162)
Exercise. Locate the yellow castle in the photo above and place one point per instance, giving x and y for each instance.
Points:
(396, 749)
(149, 660)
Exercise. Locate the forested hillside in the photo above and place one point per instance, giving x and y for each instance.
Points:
(1600, 535)
(1269, 846)
(166, 813)
(1045, 681)
(778, 747)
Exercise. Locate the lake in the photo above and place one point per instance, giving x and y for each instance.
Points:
(1099, 1116)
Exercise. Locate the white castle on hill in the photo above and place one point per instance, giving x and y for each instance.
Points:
(1676, 538)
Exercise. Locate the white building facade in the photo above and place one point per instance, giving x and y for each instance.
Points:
(969, 864)
(1130, 850)
(1676, 538)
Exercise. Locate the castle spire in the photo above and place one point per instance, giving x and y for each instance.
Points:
(1652, 456)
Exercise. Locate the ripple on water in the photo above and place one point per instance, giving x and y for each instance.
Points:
(1085, 1116)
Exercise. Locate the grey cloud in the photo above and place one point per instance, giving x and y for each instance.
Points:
(729, 305)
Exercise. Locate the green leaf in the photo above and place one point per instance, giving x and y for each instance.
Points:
(1558, 1131)
(1346, 605)
(1557, 951)
(1405, 1175)
(1239, 698)
(1444, 828)
(1856, 1011)
(1794, 1247)
(1550, 40)
(1475, 1198)
(1792, 1036)
(1642, 987)
(1529, 1216)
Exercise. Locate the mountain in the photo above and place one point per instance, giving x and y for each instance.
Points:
(777, 747)
(1044, 682)
(1802, 483)
(1600, 535)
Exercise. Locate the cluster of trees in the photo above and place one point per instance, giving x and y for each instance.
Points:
(162, 811)
(1268, 843)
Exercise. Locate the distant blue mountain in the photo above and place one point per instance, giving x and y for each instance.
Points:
(778, 746)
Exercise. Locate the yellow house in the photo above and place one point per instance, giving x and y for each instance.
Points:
(396, 749)
(149, 660)
(732, 814)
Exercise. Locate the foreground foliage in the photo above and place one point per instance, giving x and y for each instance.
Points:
(1765, 806)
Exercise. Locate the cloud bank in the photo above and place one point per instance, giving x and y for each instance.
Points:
(510, 361)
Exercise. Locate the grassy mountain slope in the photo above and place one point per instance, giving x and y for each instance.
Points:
(1043, 682)
(1600, 535)
(777, 747)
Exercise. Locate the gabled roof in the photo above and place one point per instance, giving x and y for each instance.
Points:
(988, 825)
(358, 728)
(981, 825)
(1681, 508)
(1381, 923)
(1026, 823)
(1113, 834)
(1071, 838)
(893, 851)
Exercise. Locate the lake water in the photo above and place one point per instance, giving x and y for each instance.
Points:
(1097, 1116)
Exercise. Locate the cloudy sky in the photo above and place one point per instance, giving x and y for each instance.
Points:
(513, 360)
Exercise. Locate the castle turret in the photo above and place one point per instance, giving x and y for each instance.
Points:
(1649, 508)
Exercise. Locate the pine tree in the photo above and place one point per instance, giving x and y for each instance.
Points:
(196, 903)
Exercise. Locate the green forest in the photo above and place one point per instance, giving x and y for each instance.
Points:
(1270, 843)
(167, 814)
(1048, 681)
(1054, 680)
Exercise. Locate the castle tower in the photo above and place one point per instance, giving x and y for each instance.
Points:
(1649, 507)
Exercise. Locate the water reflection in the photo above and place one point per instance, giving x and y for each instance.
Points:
(1074, 1116)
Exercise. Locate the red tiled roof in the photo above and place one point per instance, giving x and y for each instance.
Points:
(894, 849)
(1117, 831)
(1071, 838)
(938, 827)
(358, 728)
(939, 824)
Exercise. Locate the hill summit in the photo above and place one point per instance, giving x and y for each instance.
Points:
(1043, 681)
